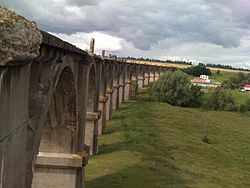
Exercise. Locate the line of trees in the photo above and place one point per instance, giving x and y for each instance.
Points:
(225, 67)
(160, 61)
(188, 63)
(198, 70)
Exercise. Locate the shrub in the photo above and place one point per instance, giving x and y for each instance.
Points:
(175, 89)
(247, 104)
(220, 100)
(242, 108)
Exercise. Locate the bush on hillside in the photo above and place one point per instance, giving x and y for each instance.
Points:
(242, 108)
(220, 99)
(175, 88)
(247, 104)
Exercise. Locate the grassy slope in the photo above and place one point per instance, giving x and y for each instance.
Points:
(224, 75)
(155, 145)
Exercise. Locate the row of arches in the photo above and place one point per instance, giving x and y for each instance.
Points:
(66, 101)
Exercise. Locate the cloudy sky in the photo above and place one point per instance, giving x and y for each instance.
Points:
(214, 31)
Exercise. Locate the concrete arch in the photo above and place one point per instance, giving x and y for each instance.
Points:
(59, 136)
(44, 81)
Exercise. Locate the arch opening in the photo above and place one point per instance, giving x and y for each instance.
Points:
(59, 133)
(57, 155)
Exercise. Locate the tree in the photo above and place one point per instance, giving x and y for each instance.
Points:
(220, 100)
(198, 70)
(175, 89)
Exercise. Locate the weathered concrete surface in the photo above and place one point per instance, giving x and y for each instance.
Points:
(14, 120)
(56, 170)
(20, 39)
(127, 89)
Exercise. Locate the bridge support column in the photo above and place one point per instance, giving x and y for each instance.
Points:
(127, 92)
(109, 104)
(116, 96)
(102, 121)
(121, 93)
(14, 122)
(157, 76)
(140, 82)
(151, 78)
(91, 138)
(134, 88)
(146, 81)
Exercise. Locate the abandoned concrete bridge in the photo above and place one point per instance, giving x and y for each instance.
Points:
(53, 105)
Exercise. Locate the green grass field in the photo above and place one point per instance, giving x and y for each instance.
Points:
(239, 96)
(224, 75)
(155, 145)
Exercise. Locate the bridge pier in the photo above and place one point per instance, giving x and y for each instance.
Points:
(127, 92)
(115, 96)
(14, 122)
(109, 107)
(134, 88)
(151, 77)
(102, 120)
(146, 80)
(140, 82)
(90, 135)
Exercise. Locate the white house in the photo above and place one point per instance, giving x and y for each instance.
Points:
(205, 78)
(204, 81)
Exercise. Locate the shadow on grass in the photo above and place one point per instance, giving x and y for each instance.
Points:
(139, 177)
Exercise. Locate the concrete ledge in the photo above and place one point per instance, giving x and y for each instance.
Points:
(116, 86)
(59, 160)
(110, 91)
(141, 78)
(93, 116)
(103, 99)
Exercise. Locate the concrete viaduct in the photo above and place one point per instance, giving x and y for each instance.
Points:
(54, 105)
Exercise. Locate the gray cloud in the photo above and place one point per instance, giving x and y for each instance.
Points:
(147, 23)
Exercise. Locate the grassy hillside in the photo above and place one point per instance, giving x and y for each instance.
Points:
(224, 75)
(155, 145)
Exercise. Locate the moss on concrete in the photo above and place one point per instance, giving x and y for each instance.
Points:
(19, 38)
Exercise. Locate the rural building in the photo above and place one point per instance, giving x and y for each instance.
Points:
(247, 88)
(204, 81)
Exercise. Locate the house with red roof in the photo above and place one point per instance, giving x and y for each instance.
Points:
(204, 81)
(247, 88)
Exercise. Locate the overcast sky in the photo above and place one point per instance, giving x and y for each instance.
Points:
(214, 31)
